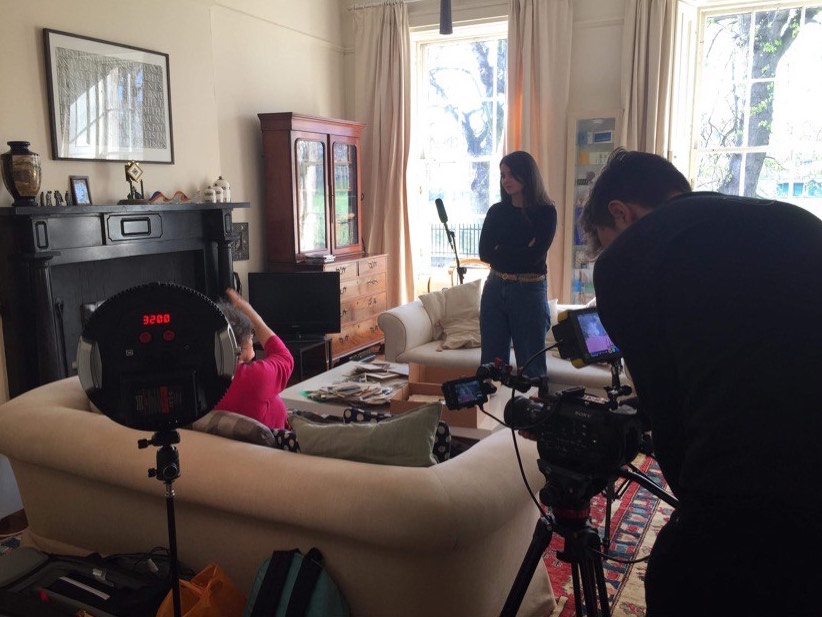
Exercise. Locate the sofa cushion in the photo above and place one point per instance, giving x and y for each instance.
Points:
(285, 439)
(442, 436)
(404, 440)
(235, 426)
(458, 302)
(460, 332)
(553, 311)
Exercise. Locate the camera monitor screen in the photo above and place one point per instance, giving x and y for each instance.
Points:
(582, 338)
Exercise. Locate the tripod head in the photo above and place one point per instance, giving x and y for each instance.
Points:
(168, 458)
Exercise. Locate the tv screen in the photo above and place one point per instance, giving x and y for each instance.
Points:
(297, 304)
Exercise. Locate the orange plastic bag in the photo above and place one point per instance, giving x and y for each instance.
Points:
(209, 594)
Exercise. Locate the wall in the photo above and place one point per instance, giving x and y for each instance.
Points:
(229, 60)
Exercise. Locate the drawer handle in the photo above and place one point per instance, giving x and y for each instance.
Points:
(343, 290)
(343, 339)
(372, 263)
(372, 301)
(341, 269)
(344, 312)
(373, 282)
(374, 328)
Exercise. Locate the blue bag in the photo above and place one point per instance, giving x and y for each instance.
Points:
(290, 584)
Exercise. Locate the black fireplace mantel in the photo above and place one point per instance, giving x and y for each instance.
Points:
(56, 261)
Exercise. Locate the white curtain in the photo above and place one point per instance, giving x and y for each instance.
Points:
(647, 61)
(539, 75)
(382, 101)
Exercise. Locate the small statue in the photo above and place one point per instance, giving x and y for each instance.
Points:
(48, 199)
(58, 199)
(42, 198)
(133, 173)
(68, 199)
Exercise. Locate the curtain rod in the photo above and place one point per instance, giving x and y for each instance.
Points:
(368, 5)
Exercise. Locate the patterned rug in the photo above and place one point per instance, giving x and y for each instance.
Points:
(636, 518)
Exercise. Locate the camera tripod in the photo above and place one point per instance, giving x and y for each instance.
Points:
(166, 471)
(568, 495)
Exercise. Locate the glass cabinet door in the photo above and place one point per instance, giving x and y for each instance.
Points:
(346, 196)
(312, 222)
(591, 139)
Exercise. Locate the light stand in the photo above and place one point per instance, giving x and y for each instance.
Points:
(168, 470)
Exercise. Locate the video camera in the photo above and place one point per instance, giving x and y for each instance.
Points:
(577, 434)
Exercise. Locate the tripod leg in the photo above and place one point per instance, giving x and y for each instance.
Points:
(575, 577)
(539, 543)
(172, 550)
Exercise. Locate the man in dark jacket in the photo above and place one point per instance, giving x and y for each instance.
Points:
(716, 304)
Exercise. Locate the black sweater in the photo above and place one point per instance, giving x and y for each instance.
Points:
(716, 304)
(508, 230)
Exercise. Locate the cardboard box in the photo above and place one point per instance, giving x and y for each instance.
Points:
(469, 417)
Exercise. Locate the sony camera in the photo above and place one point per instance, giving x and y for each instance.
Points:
(576, 432)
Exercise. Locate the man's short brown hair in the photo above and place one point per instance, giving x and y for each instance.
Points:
(641, 178)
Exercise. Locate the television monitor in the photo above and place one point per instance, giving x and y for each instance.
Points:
(297, 305)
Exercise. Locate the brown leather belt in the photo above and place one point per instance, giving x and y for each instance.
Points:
(522, 278)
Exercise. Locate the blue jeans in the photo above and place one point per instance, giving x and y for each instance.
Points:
(518, 312)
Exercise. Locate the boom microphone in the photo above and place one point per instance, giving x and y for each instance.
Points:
(441, 210)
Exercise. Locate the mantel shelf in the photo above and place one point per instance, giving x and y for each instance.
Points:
(30, 211)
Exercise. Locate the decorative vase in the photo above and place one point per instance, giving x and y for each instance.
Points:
(223, 184)
(21, 173)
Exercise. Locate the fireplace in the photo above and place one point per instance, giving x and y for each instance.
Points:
(58, 263)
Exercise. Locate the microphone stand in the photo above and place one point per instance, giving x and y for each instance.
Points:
(453, 243)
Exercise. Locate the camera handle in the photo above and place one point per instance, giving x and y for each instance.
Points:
(166, 471)
(616, 389)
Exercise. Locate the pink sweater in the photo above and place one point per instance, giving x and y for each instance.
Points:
(255, 390)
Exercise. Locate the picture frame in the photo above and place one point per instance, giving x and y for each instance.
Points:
(80, 191)
(107, 101)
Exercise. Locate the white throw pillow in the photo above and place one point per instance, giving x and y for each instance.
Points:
(459, 302)
(460, 332)
(554, 312)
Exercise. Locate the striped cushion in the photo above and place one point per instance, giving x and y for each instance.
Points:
(235, 426)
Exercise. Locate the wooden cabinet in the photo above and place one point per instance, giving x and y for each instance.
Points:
(312, 187)
(362, 299)
(314, 208)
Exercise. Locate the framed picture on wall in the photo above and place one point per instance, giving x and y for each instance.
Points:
(80, 191)
(107, 101)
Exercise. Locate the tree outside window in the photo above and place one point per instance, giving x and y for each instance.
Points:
(758, 130)
(458, 125)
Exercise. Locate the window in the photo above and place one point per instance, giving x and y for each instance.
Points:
(757, 130)
(458, 124)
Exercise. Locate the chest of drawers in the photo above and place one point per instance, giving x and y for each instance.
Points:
(362, 299)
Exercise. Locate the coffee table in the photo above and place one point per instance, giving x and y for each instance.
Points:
(295, 397)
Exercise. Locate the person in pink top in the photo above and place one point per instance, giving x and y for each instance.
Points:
(255, 389)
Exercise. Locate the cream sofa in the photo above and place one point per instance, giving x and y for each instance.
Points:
(410, 338)
(443, 540)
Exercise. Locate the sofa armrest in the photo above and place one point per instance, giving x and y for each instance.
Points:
(405, 327)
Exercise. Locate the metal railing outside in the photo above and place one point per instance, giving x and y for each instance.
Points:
(466, 236)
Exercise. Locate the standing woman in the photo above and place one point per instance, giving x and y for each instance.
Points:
(515, 239)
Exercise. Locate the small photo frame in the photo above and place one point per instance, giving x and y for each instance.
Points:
(80, 191)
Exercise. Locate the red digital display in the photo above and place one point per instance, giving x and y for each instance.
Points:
(153, 319)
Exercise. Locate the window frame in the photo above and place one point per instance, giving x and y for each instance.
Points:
(416, 178)
(689, 48)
